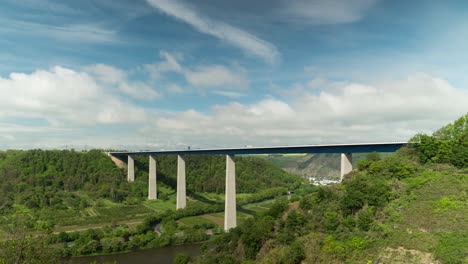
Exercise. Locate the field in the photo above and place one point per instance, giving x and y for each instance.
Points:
(218, 218)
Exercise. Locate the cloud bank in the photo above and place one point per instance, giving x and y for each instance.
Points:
(96, 106)
(65, 97)
(347, 112)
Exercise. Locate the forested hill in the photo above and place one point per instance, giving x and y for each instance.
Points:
(321, 166)
(51, 178)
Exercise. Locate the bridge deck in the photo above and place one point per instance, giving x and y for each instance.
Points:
(330, 148)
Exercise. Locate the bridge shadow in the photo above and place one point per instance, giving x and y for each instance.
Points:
(202, 198)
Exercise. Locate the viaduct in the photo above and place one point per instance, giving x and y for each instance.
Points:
(230, 214)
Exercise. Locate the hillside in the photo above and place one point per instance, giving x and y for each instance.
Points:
(319, 166)
(60, 188)
(408, 208)
(80, 203)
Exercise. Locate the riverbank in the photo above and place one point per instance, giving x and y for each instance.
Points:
(163, 255)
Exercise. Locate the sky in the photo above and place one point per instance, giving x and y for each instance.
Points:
(168, 74)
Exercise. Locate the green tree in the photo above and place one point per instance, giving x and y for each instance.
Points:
(181, 259)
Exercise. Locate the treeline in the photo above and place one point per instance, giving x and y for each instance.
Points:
(447, 145)
(50, 178)
(59, 178)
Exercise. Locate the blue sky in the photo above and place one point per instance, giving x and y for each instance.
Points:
(141, 74)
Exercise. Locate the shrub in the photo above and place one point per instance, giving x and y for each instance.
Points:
(365, 218)
(181, 259)
(357, 243)
(448, 203)
(451, 248)
(364, 190)
(363, 164)
(296, 253)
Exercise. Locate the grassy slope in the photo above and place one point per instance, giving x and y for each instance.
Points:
(432, 205)
(243, 213)
(429, 212)
(425, 220)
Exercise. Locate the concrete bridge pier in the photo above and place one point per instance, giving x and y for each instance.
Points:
(181, 193)
(152, 186)
(346, 164)
(230, 214)
(130, 169)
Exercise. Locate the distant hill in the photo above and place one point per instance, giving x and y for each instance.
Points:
(320, 166)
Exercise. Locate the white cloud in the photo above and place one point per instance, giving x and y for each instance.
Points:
(200, 76)
(77, 33)
(107, 74)
(231, 94)
(61, 107)
(216, 76)
(7, 137)
(325, 11)
(63, 97)
(174, 88)
(139, 90)
(169, 64)
(351, 112)
(235, 36)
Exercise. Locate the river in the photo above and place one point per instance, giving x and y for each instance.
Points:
(154, 256)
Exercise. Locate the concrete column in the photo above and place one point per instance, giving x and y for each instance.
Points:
(130, 169)
(346, 164)
(181, 196)
(230, 215)
(152, 190)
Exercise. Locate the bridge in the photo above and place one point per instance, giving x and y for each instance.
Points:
(230, 214)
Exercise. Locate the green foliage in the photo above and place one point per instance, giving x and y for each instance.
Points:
(362, 190)
(447, 145)
(294, 221)
(181, 259)
(39, 179)
(331, 221)
(296, 253)
(255, 233)
(449, 203)
(277, 208)
(365, 218)
(452, 249)
(357, 243)
(21, 247)
(460, 152)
